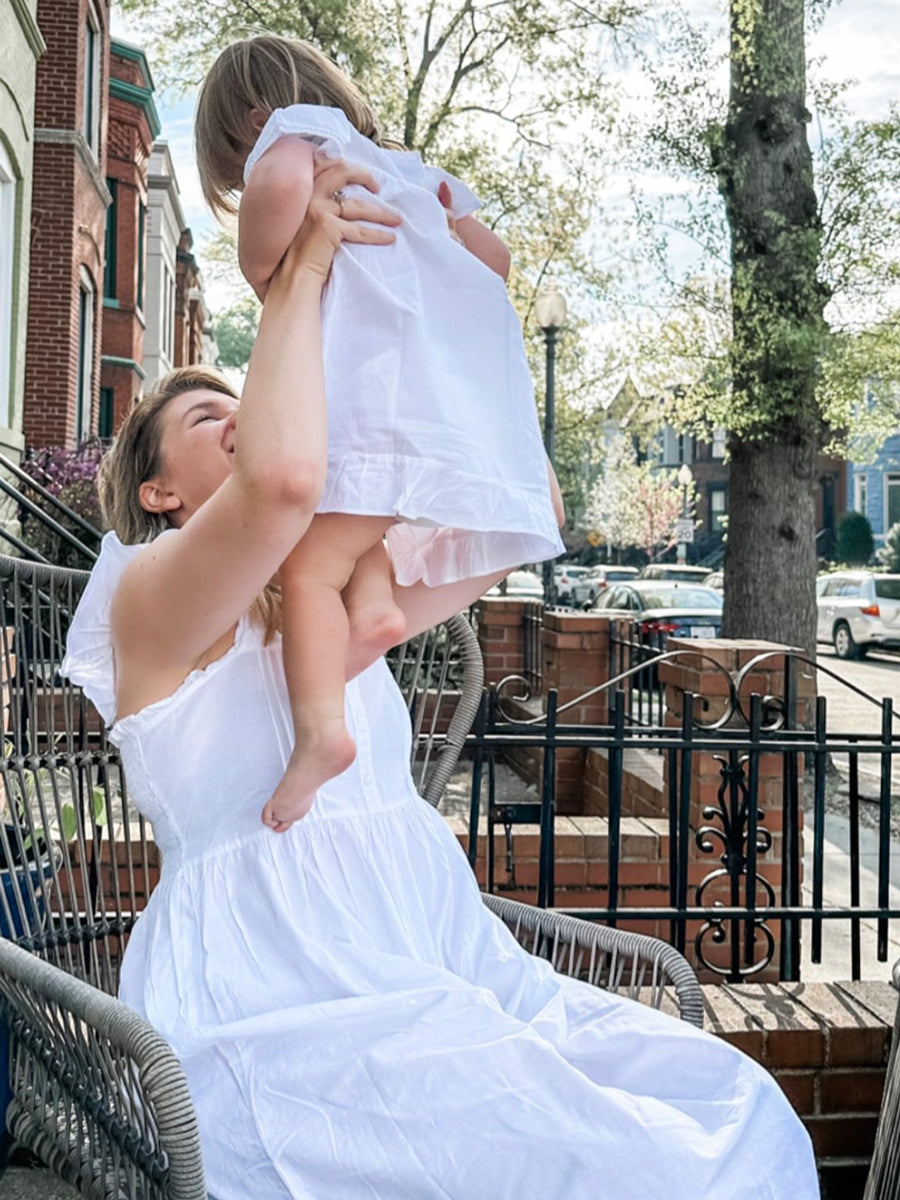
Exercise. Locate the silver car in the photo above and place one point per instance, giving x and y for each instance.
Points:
(858, 610)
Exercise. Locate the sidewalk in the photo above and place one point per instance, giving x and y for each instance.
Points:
(836, 886)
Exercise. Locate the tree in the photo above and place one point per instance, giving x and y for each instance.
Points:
(855, 543)
(234, 329)
(634, 505)
(790, 343)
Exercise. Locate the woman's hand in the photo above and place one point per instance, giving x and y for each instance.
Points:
(331, 219)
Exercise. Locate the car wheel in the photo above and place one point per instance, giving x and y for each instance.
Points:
(844, 645)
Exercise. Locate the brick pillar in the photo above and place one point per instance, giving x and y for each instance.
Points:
(575, 659)
(705, 671)
(500, 635)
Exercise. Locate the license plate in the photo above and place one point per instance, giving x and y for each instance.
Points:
(700, 631)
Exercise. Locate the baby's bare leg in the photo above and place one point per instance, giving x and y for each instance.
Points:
(316, 635)
(376, 623)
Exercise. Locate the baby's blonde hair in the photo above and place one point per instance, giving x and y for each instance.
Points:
(263, 73)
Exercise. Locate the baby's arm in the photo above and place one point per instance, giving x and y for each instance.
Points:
(477, 238)
(273, 206)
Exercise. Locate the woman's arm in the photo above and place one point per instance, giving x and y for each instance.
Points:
(183, 593)
(273, 206)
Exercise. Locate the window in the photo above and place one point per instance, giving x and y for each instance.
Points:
(7, 254)
(105, 419)
(718, 443)
(85, 357)
(141, 243)
(112, 241)
(718, 509)
(93, 44)
(861, 493)
(891, 501)
(167, 338)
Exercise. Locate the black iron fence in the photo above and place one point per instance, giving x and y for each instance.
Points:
(764, 883)
(532, 623)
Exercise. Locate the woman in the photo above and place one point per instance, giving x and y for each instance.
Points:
(351, 1020)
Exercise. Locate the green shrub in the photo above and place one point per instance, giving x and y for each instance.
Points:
(889, 554)
(855, 542)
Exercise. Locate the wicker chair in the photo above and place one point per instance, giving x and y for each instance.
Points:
(97, 1094)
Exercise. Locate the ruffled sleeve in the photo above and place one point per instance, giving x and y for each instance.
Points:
(465, 202)
(88, 660)
(326, 128)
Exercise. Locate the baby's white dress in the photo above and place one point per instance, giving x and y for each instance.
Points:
(431, 414)
(352, 1022)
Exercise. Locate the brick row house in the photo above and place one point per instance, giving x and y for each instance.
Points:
(78, 146)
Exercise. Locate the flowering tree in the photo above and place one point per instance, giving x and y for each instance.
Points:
(70, 475)
(634, 505)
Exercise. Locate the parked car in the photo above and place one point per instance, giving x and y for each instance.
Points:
(716, 581)
(674, 571)
(857, 611)
(661, 607)
(601, 577)
(520, 585)
(572, 585)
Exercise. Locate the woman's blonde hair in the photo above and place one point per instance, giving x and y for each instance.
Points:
(136, 456)
(263, 73)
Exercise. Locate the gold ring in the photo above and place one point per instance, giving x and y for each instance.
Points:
(340, 197)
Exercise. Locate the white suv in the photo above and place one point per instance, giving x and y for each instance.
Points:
(572, 584)
(858, 610)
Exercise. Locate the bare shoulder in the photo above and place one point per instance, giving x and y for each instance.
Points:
(287, 163)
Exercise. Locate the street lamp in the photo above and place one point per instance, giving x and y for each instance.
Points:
(550, 312)
(685, 479)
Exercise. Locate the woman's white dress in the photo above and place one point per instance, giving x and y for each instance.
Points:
(352, 1022)
(431, 413)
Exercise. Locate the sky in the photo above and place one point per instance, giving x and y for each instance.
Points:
(859, 40)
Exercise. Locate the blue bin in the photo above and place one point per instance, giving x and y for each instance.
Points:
(29, 920)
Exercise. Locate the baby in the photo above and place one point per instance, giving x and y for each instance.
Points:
(433, 440)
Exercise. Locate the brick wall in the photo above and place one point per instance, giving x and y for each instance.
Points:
(129, 144)
(68, 223)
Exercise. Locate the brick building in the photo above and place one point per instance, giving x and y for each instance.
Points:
(70, 196)
(194, 342)
(21, 46)
(133, 126)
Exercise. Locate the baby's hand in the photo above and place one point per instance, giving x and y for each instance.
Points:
(446, 198)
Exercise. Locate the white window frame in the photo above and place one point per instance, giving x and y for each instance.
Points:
(92, 89)
(717, 448)
(8, 186)
(861, 492)
(713, 513)
(87, 302)
(891, 479)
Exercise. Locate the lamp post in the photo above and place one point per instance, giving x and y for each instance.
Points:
(685, 479)
(550, 312)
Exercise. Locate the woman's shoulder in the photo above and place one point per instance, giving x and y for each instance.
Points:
(88, 660)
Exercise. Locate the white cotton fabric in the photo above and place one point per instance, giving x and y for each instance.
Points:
(431, 414)
(352, 1022)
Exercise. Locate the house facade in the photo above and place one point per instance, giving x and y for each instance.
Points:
(70, 196)
(874, 488)
(133, 127)
(165, 222)
(22, 46)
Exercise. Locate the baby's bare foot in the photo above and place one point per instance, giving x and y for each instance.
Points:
(325, 751)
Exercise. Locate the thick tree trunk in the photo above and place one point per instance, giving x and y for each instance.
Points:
(765, 174)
